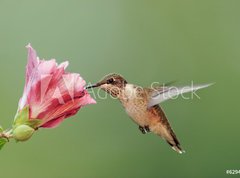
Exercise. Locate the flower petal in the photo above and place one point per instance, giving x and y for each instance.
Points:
(51, 93)
(32, 62)
(53, 123)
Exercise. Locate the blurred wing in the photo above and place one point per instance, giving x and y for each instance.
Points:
(160, 95)
(168, 83)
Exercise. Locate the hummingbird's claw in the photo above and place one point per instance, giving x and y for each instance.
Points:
(147, 129)
(144, 129)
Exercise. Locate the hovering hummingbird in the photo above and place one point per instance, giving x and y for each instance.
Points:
(142, 104)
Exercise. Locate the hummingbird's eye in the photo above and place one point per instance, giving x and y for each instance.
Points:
(109, 81)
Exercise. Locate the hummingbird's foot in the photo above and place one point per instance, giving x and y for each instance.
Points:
(144, 129)
(147, 129)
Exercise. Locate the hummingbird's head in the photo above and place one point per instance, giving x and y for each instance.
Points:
(111, 83)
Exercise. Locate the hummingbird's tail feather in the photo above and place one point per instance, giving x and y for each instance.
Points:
(164, 130)
(173, 141)
(177, 148)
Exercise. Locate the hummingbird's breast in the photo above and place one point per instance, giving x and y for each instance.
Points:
(134, 101)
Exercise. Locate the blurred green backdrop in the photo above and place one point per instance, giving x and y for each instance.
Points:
(145, 41)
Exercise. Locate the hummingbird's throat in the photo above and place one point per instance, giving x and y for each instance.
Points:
(113, 91)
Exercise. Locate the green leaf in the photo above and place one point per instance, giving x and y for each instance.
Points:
(34, 123)
(1, 129)
(22, 117)
(3, 141)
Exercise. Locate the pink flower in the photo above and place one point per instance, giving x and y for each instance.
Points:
(50, 94)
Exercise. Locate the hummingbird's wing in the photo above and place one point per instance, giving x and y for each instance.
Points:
(161, 94)
(167, 83)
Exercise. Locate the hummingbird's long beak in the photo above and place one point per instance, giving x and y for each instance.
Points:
(93, 85)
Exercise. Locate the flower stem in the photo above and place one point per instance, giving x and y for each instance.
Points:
(6, 134)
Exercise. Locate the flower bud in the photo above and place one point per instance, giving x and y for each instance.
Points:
(23, 132)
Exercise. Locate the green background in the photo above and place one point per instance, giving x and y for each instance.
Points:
(145, 41)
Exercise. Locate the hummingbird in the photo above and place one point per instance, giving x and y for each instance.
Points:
(142, 104)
